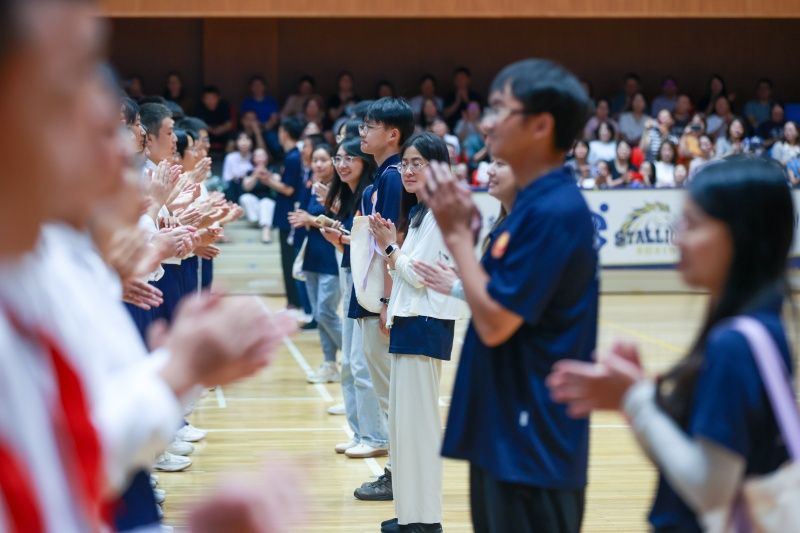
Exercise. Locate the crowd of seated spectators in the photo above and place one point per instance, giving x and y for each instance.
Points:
(630, 141)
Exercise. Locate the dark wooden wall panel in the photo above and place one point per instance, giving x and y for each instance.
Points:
(227, 51)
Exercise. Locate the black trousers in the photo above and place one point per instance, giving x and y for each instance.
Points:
(288, 254)
(500, 507)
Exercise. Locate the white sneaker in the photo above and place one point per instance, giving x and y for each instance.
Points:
(166, 462)
(326, 373)
(167, 529)
(337, 409)
(160, 495)
(363, 451)
(153, 480)
(160, 512)
(189, 433)
(180, 447)
(344, 446)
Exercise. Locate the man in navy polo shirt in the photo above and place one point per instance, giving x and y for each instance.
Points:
(533, 299)
(389, 122)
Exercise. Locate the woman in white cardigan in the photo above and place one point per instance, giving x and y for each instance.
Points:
(421, 324)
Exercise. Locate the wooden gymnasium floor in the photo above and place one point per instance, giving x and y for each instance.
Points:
(278, 412)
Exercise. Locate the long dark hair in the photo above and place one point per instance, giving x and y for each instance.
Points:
(339, 192)
(432, 148)
(751, 196)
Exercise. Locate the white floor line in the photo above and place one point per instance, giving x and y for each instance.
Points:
(220, 398)
(374, 466)
(301, 361)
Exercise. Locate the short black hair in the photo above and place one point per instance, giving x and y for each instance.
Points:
(176, 109)
(130, 109)
(426, 77)
(153, 99)
(351, 129)
(316, 140)
(294, 127)
(632, 76)
(183, 140)
(152, 116)
(765, 80)
(462, 70)
(193, 125)
(309, 79)
(256, 77)
(543, 86)
(393, 113)
(361, 108)
(211, 89)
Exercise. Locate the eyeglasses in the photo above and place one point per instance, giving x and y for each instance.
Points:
(415, 166)
(346, 160)
(501, 114)
(364, 128)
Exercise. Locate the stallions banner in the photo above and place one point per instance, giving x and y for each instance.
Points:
(634, 227)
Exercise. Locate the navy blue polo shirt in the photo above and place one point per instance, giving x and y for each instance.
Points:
(730, 408)
(422, 335)
(542, 266)
(320, 256)
(293, 177)
(303, 196)
(389, 187)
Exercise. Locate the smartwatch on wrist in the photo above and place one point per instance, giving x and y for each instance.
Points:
(392, 248)
(384, 300)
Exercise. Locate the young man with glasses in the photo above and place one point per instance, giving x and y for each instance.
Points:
(387, 125)
(533, 299)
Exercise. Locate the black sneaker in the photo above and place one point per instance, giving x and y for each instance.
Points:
(379, 490)
(391, 526)
(309, 326)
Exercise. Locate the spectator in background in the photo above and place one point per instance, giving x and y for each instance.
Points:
(717, 124)
(681, 175)
(622, 101)
(430, 112)
(604, 147)
(475, 149)
(789, 148)
(601, 114)
(427, 91)
(668, 98)
(257, 201)
(216, 112)
(384, 89)
(296, 102)
(579, 163)
(341, 104)
(314, 111)
(470, 122)
(757, 110)
(632, 121)
(461, 96)
(771, 131)
(440, 128)
(706, 146)
(135, 88)
(793, 170)
(682, 115)
(621, 168)
(174, 91)
(656, 132)
(263, 105)
(603, 178)
(665, 165)
(237, 166)
(647, 171)
(689, 145)
(734, 141)
(251, 127)
(716, 88)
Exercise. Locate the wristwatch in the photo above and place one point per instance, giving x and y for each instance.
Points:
(392, 248)
(384, 300)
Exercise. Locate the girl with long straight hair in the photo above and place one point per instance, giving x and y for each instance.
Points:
(707, 423)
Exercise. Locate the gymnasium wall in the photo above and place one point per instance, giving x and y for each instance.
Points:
(225, 51)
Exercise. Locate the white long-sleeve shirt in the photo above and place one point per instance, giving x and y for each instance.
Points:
(66, 287)
(409, 296)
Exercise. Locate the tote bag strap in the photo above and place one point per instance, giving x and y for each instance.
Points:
(776, 380)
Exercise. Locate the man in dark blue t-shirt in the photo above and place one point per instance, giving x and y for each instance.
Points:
(389, 122)
(288, 188)
(533, 299)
